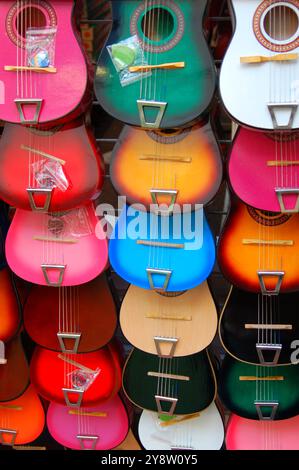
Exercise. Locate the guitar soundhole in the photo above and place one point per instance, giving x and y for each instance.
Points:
(55, 226)
(267, 218)
(30, 17)
(276, 25)
(157, 24)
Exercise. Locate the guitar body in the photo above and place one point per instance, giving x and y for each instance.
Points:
(248, 434)
(204, 431)
(194, 390)
(14, 375)
(238, 390)
(60, 93)
(24, 417)
(110, 428)
(164, 31)
(260, 165)
(82, 171)
(10, 313)
(36, 239)
(187, 161)
(50, 374)
(250, 243)
(262, 28)
(89, 309)
(189, 318)
(245, 308)
(131, 252)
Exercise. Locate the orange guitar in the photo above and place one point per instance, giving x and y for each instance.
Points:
(180, 166)
(259, 251)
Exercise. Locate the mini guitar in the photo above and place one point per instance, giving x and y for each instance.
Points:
(201, 431)
(86, 379)
(10, 312)
(258, 250)
(259, 392)
(259, 329)
(264, 170)
(40, 80)
(71, 319)
(248, 434)
(47, 249)
(261, 66)
(152, 251)
(21, 420)
(169, 325)
(175, 166)
(155, 49)
(14, 370)
(98, 428)
(49, 170)
(179, 385)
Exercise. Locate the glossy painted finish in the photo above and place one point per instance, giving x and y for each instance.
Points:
(25, 254)
(239, 396)
(196, 81)
(131, 259)
(192, 395)
(240, 262)
(187, 161)
(14, 375)
(61, 92)
(82, 168)
(261, 163)
(110, 427)
(50, 374)
(245, 308)
(10, 312)
(87, 309)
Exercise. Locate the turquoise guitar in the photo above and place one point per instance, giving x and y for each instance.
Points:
(164, 253)
(156, 48)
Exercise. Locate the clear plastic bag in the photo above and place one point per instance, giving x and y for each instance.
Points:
(49, 174)
(125, 54)
(82, 380)
(77, 223)
(40, 46)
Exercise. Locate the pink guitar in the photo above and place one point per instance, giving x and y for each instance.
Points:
(62, 249)
(264, 170)
(249, 434)
(99, 428)
(43, 71)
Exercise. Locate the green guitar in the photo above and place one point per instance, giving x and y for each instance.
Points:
(156, 70)
(178, 385)
(259, 392)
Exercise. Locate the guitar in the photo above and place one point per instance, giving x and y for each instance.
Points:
(49, 170)
(102, 427)
(258, 250)
(169, 325)
(152, 251)
(71, 319)
(177, 166)
(200, 431)
(248, 434)
(10, 312)
(71, 379)
(14, 370)
(263, 331)
(41, 81)
(179, 385)
(264, 171)
(260, 68)
(145, 63)
(259, 392)
(47, 249)
(22, 420)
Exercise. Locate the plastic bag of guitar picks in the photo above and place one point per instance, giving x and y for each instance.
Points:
(77, 223)
(40, 46)
(125, 54)
(49, 174)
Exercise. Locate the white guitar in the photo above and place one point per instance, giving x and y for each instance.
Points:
(259, 79)
(201, 431)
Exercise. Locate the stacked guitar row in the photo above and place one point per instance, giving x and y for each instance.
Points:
(157, 76)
